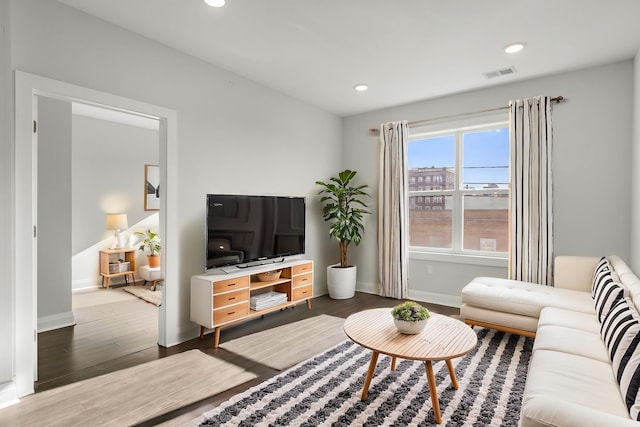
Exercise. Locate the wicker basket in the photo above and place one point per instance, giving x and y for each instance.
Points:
(268, 276)
(118, 267)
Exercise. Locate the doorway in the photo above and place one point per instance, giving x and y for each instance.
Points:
(90, 163)
(28, 88)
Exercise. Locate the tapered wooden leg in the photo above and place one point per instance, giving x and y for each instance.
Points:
(452, 374)
(309, 304)
(372, 368)
(201, 332)
(434, 392)
(393, 363)
(216, 339)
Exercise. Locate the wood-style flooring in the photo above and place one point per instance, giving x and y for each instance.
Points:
(122, 332)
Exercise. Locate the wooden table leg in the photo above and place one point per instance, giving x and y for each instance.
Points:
(367, 380)
(452, 374)
(393, 363)
(434, 392)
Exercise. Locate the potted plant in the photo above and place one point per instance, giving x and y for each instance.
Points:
(344, 210)
(150, 244)
(410, 317)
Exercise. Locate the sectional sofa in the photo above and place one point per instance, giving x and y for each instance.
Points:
(584, 370)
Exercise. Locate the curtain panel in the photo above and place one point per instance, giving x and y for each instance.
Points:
(392, 210)
(531, 210)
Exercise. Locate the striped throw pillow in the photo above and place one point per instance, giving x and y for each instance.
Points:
(621, 334)
(607, 293)
(601, 273)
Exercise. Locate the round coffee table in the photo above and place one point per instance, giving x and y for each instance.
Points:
(443, 338)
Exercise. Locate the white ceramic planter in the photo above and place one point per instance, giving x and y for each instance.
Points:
(341, 282)
(405, 327)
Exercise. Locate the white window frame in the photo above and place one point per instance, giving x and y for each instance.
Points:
(494, 120)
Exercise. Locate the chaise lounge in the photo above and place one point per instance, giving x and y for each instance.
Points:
(584, 367)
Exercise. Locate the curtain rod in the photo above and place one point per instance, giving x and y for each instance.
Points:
(556, 99)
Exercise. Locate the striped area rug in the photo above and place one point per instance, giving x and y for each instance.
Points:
(325, 390)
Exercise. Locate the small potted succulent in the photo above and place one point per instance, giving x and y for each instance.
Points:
(410, 317)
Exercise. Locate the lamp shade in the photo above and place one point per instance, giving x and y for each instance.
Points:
(117, 222)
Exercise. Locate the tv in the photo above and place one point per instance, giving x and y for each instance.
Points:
(247, 230)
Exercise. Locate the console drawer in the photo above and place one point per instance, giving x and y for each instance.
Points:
(302, 268)
(228, 298)
(231, 284)
(302, 280)
(232, 312)
(303, 292)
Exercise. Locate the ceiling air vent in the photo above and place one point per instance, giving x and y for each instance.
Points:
(498, 73)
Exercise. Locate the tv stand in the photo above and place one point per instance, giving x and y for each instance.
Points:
(220, 299)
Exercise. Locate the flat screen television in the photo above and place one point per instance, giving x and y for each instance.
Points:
(245, 230)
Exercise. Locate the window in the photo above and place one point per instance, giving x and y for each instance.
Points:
(465, 210)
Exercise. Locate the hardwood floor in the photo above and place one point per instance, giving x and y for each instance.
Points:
(119, 334)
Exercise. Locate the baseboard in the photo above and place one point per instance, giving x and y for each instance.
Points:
(8, 394)
(368, 288)
(84, 284)
(55, 321)
(436, 298)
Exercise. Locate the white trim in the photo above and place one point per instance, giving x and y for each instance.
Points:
(56, 321)
(27, 87)
(459, 258)
(8, 394)
(85, 284)
(368, 288)
(435, 298)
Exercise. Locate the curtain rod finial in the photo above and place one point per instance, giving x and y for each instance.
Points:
(374, 130)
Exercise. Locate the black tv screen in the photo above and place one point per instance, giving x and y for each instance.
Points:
(242, 229)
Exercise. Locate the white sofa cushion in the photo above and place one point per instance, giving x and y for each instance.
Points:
(587, 322)
(571, 341)
(565, 378)
(524, 298)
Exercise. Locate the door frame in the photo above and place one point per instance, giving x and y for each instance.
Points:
(27, 88)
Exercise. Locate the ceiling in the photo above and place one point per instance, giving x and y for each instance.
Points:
(406, 50)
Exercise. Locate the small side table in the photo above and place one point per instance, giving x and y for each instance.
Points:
(129, 255)
(151, 274)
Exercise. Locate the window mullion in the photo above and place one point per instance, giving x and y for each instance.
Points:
(457, 198)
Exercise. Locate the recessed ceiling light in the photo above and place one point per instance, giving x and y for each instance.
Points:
(215, 3)
(361, 87)
(514, 47)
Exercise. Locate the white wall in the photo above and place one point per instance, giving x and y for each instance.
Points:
(591, 166)
(54, 214)
(108, 175)
(233, 135)
(635, 171)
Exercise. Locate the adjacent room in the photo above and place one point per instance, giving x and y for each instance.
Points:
(239, 212)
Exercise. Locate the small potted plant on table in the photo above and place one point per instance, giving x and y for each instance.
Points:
(410, 317)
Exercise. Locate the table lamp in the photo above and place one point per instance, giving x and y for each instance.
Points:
(117, 222)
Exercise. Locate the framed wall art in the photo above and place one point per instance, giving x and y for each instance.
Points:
(151, 187)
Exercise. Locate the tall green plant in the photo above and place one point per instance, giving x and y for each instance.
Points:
(343, 209)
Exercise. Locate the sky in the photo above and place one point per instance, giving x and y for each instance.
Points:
(482, 152)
